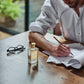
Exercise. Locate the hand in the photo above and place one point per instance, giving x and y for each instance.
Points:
(61, 50)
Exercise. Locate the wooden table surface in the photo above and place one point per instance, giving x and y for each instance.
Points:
(14, 69)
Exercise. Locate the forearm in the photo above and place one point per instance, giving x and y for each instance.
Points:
(55, 50)
(41, 41)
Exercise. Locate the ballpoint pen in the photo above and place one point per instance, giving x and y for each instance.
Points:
(60, 43)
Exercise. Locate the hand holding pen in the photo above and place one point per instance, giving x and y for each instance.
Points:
(62, 49)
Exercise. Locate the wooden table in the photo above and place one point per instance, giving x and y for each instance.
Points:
(14, 69)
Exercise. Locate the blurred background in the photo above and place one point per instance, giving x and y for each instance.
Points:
(16, 15)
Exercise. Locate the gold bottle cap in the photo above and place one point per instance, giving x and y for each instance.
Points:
(33, 45)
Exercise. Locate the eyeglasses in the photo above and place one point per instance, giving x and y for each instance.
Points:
(15, 50)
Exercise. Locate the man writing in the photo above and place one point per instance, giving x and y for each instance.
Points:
(71, 16)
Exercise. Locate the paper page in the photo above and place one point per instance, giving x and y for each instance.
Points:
(50, 38)
(76, 61)
(60, 60)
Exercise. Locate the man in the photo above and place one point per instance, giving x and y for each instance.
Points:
(71, 16)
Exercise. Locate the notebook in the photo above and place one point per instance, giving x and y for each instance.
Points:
(76, 60)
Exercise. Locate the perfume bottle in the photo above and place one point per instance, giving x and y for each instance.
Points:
(33, 54)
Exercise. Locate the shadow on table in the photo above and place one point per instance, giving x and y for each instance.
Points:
(32, 70)
(79, 72)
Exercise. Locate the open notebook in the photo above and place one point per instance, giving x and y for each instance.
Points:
(76, 61)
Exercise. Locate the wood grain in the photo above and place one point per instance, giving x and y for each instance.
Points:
(4, 35)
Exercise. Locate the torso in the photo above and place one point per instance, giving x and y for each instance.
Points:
(72, 22)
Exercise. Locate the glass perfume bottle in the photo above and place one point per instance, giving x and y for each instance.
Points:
(33, 54)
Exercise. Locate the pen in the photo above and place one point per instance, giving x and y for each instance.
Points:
(59, 42)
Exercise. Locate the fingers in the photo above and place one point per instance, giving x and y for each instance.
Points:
(61, 54)
(67, 46)
(63, 50)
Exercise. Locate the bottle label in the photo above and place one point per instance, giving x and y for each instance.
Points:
(34, 55)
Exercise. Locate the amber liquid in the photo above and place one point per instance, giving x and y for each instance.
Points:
(33, 55)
